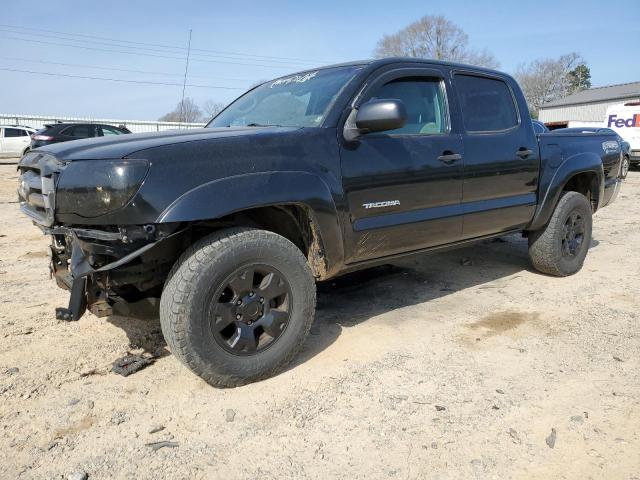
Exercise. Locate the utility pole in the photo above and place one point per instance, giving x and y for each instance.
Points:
(184, 83)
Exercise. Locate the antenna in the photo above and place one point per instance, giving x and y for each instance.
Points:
(184, 83)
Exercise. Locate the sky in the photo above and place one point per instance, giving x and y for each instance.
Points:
(235, 44)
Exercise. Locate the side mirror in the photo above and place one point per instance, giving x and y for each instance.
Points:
(375, 116)
(381, 115)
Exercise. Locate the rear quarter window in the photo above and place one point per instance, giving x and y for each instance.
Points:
(487, 104)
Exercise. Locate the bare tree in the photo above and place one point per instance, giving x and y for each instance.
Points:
(186, 111)
(211, 108)
(433, 37)
(547, 79)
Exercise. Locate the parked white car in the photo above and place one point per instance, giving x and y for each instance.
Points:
(15, 141)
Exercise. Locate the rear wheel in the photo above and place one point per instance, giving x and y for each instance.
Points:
(624, 169)
(561, 247)
(238, 305)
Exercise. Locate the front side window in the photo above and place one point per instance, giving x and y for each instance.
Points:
(487, 104)
(301, 100)
(425, 103)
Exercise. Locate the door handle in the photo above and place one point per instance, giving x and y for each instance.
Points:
(449, 157)
(523, 153)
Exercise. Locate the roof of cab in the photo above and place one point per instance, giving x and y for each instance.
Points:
(376, 63)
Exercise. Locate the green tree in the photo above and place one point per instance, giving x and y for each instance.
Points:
(579, 78)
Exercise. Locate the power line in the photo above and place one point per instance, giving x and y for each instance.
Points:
(167, 46)
(126, 70)
(163, 50)
(52, 74)
(139, 54)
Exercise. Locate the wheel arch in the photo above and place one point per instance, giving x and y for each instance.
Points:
(296, 205)
(582, 173)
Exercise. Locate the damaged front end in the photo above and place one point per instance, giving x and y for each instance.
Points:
(103, 264)
(102, 267)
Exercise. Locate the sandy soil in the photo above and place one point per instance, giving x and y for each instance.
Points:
(457, 365)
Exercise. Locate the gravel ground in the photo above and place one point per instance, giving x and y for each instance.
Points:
(465, 364)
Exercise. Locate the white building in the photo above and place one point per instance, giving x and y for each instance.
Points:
(135, 126)
(588, 106)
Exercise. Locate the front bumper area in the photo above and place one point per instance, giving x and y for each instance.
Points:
(101, 267)
(100, 264)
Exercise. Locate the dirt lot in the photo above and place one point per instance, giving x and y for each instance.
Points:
(457, 365)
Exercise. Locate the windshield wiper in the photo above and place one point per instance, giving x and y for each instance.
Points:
(262, 125)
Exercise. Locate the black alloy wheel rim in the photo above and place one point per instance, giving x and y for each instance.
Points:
(572, 235)
(250, 310)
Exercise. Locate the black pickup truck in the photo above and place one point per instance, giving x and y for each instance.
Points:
(303, 178)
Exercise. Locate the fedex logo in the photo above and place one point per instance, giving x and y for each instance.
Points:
(634, 121)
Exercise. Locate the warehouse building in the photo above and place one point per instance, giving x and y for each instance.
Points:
(587, 106)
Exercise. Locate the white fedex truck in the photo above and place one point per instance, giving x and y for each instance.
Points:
(625, 121)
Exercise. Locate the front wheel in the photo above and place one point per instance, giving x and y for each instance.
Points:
(238, 305)
(624, 169)
(561, 247)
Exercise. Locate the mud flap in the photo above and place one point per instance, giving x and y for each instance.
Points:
(77, 301)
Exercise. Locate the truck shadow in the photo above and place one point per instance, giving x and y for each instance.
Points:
(351, 299)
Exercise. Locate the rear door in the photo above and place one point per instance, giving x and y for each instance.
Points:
(78, 132)
(404, 186)
(501, 161)
(15, 141)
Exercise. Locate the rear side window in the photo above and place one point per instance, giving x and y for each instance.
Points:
(14, 132)
(80, 131)
(487, 104)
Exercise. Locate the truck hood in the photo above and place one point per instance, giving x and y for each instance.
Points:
(125, 145)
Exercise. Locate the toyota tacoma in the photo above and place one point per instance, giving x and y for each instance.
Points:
(301, 179)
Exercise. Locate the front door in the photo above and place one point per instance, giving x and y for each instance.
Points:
(404, 186)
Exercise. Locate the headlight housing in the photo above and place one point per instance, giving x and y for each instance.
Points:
(92, 188)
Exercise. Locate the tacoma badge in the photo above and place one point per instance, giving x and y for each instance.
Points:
(388, 203)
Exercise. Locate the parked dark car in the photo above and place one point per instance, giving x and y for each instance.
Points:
(625, 146)
(303, 178)
(539, 127)
(64, 132)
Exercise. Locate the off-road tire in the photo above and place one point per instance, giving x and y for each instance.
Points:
(191, 285)
(624, 168)
(545, 245)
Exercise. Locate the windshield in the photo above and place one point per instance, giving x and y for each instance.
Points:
(300, 100)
